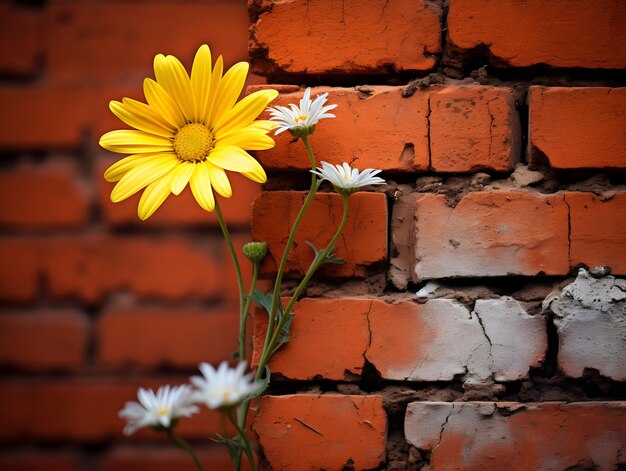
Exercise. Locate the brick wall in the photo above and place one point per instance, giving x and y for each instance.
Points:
(503, 181)
(460, 334)
(95, 303)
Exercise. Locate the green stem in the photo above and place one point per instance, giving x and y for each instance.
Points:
(283, 261)
(233, 254)
(267, 352)
(183, 444)
(246, 308)
(244, 438)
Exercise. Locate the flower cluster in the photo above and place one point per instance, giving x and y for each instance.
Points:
(217, 389)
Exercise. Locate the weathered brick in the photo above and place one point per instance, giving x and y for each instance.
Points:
(43, 340)
(577, 127)
(558, 33)
(87, 41)
(182, 210)
(318, 327)
(175, 338)
(590, 322)
(48, 196)
(598, 232)
(486, 129)
(85, 410)
(494, 233)
(371, 36)
(21, 36)
(163, 459)
(91, 267)
(420, 342)
(351, 429)
(362, 244)
(514, 436)
(375, 127)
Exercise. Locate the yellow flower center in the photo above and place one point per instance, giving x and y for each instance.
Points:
(193, 142)
(163, 411)
(302, 117)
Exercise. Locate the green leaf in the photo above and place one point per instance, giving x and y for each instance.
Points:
(233, 445)
(263, 385)
(283, 337)
(264, 300)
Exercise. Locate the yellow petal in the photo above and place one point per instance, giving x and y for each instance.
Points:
(119, 168)
(201, 80)
(229, 90)
(233, 158)
(263, 125)
(247, 138)
(147, 112)
(200, 183)
(244, 112)
(181, 176)
(216, 77)
(219, 180)
(137, 121)
(259, 177)
(172, 76)
(142, 175)
(154, 196)
(162, 103)
(134, 142)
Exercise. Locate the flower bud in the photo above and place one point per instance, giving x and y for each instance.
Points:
(255, 251)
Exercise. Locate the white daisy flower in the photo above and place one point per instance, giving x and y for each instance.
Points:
(224, 387)
(347, 180)
(301, 120)
(160, 409)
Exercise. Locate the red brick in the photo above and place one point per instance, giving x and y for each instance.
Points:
(319, 326)
(36, 197)
(175, 338)
(375, 127)
(88, 42)
(372, 36)
(557, 33)
(473, 128)
(508, 436)
(350, 428)
(43, 340)
(494, 233)
(83, 410)
(467, 127)
(20, 269)
(21, 36)
(57, 117)
(92, 267)
(40, 461)
(182, 210)
(577, 127)
(598, 232)
(163, 459)
(362, 244)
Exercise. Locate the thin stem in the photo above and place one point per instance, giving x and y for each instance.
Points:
(246, 308)
(244, 438)
(267, 352)
(233, 254)
(292, 235)
(183, 444)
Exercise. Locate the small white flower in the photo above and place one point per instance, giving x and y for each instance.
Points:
(160, 409)
(224, 387)
(301, 120)
(346, 179)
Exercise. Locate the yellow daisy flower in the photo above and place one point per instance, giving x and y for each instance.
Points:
(191, 130)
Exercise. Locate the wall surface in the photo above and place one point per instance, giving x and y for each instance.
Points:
(94, 302)
(459, 335)
(470, 328)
